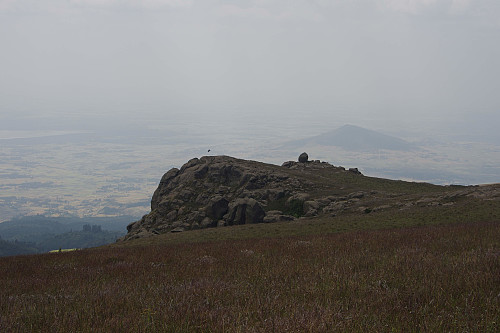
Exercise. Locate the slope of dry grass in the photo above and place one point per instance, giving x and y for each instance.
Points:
(428, 278)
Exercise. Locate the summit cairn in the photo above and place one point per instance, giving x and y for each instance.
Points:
(303, 158)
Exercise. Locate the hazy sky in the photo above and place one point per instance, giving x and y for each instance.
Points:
(368, 62)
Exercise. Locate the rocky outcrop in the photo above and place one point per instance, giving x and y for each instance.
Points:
(216, 191)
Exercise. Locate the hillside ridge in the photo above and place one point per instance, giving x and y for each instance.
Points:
(217, 191)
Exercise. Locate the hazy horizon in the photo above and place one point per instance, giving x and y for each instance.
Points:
(384, 64)
(152, 83)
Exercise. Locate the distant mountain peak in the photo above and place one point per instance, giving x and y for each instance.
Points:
(351, 137)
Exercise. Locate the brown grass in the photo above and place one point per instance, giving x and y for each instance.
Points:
(431, 278)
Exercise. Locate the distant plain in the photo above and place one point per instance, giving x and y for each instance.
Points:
(114, 171)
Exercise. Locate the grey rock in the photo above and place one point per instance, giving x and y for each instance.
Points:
(278, 218)
(356, 195)
(201, 172)
(303, 158)
(299, 196)
(245, 211)
(311, 205)
(191, 163)
(217, 208)
(169, 175)
(355, 170)
(172, 215)
(311, 213)
(288, 164)
(207, 222)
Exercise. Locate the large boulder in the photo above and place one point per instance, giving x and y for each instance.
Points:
(303, 158)
(217, 208)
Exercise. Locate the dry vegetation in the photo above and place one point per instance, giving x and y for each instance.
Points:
(426, 278)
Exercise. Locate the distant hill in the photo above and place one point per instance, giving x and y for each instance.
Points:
(36, 234)
(88, 237)
(350, 137)
(78, 239)
(37, 227)
(16, 248)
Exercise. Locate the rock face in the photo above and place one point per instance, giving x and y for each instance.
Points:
(215, 191)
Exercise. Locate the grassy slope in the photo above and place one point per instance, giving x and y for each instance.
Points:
(433, 278)
(413, 269)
